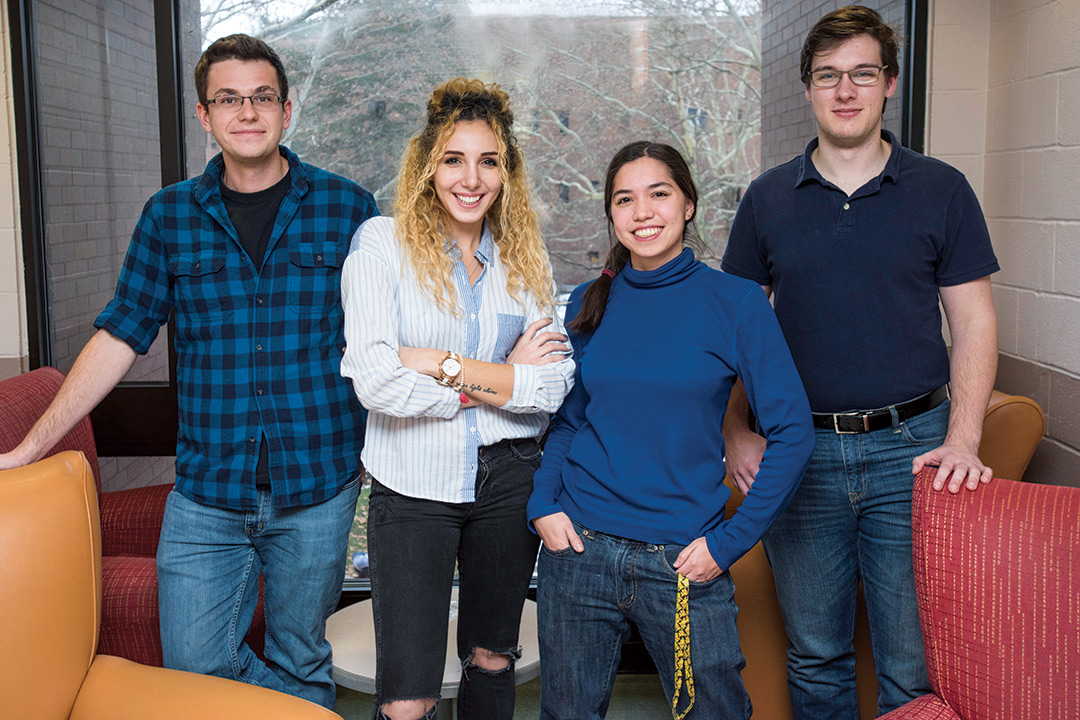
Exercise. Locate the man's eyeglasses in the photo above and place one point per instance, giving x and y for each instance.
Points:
(260, 101)
(860, 76)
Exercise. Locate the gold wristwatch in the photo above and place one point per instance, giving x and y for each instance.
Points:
(450, 370)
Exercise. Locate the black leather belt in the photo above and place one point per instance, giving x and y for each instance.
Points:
(862, 421)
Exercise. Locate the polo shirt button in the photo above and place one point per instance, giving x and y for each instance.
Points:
(847, 206)
(259, 346)
(319, 258)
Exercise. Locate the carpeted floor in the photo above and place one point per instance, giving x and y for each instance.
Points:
(635, 697)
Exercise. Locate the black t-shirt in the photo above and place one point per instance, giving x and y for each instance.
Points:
(253, 216)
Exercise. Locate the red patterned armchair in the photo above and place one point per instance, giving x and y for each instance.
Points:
(997, 574)
(130, 526)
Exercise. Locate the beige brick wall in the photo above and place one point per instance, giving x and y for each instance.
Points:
(1004, 107)
(13, 345)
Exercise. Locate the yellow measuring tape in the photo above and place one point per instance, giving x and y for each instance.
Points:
(683, 668)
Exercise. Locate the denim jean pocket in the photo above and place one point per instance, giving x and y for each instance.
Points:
(583, 533)
(565, 552)
(667, 558)
(381, 502)
(928, 428)
(527, 451)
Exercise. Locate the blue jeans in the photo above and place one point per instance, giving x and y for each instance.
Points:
(586, 602)
(850, 520)
(414, 544)
(208, 564)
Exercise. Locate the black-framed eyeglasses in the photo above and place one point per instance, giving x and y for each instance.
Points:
(259, 101)
(860, 76)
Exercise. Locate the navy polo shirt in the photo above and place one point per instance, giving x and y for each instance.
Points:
(856, 279)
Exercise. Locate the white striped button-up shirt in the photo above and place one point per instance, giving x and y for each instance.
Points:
(420, 441)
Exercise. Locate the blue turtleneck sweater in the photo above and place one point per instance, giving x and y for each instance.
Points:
(636, 450)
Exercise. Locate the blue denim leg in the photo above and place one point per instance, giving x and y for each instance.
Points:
(581, 629)
(303, 562)
(850, 520)
(209, 560)
(586, 602)
(715, 654)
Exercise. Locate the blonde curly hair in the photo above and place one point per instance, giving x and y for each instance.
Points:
(422, 221)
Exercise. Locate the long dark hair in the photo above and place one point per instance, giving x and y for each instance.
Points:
(595, 301)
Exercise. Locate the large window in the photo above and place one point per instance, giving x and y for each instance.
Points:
(97, 84)
(97, 117)
(584, 78)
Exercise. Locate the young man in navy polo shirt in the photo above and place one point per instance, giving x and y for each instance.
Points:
(249, 257)
(859, 238)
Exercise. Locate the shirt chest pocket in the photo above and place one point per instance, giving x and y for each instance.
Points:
(510, 328)
(313, 286)
(201, 288)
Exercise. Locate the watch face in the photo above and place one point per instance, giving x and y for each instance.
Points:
(450, 367)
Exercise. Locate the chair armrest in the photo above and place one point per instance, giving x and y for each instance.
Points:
(118, 689)
(131, 520)
(1012, 429)
(924, 707)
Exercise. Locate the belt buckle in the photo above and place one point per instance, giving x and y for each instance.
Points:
(836, 423)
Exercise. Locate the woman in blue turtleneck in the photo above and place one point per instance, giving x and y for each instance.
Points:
(629, 499)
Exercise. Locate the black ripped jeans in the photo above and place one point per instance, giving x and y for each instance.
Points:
(413, 545)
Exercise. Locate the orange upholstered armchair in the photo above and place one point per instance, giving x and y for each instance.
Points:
(997, 574)
(50, 611)
(130, 527)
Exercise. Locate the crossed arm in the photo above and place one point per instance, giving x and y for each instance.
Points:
(493, 383)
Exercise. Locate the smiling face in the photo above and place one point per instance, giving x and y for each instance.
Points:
(248, 136)
(467, 178)
(849, 115)
(649, 213)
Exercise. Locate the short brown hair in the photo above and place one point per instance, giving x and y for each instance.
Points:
(843, 24)
(237, 47)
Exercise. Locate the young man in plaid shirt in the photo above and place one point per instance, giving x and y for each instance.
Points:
(249, 257)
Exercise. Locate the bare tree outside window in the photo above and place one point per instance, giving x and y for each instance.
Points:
(585, 79)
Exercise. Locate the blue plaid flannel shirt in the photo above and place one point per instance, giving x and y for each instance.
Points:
(256, 352)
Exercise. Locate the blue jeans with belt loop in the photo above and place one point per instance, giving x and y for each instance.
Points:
(208, 565)
(850, 520)
(586, 602)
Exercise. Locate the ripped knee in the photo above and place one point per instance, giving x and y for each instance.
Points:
(492, 662)
(407, 709)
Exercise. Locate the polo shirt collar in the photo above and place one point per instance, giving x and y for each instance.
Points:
(808, 172)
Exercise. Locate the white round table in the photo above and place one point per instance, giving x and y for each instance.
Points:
(351, 632)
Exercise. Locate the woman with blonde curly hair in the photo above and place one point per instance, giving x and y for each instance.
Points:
(447, 311)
